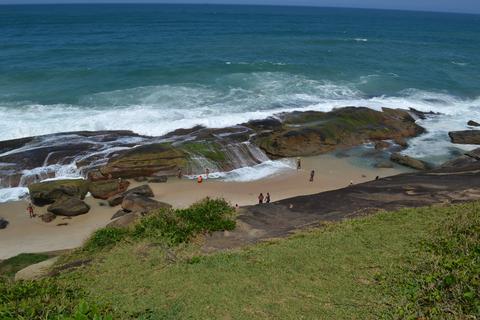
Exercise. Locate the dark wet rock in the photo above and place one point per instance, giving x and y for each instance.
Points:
(473, 123)
(465, 137)
(423, 115)
(146, 160)
(140, 179)
(384, 164)
(3, 223)
(381, 145)
(417, 189)
(265, 124)
(311, 133)
(48, 217)
(119, 213)
(48, 192)
(137, 203)
(159, 179)
(125, 220)
(84, 148)
(143, 190)
(105, 189)
(68, 206)
(410, 162)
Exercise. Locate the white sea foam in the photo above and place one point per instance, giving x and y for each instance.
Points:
(13, 194)
(257, 172)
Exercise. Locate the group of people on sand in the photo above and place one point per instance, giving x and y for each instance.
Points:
(263, 199)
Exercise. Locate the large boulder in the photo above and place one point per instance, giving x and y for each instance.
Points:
(68, 206)
(3, 223)
(465, 136)
(144, 161)
(48, 192)
(137, 203)
(143, 190)
(105, 189)
(311, 133)
(410, 162)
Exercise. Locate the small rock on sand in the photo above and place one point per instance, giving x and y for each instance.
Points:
(3, 223)
(48, 217)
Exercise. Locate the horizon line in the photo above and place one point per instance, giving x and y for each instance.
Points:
(236, 4)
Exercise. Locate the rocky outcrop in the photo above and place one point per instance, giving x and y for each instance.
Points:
(465, 137)
(105, 189)
(473, 123)
(312, 133)
(48, 192)
(3, 223)
(138, 203)
(68, 206)
(145, 161)
(410, 162)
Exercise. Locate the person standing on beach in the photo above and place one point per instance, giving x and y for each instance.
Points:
(299, 163)
(179, 173)
(267, 198)
(260, 198)
(200, 179)
(30, 210)
(312, 175)
(207, 172)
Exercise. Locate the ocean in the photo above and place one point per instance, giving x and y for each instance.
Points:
(155, 68)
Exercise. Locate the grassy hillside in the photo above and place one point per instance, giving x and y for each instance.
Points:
(408, 264)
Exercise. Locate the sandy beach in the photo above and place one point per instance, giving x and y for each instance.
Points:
(32, 235)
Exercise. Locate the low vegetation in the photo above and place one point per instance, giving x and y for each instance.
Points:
(9, 267)
(412, 264)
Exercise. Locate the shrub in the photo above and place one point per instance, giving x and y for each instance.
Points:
(105, 237)
(177, 226)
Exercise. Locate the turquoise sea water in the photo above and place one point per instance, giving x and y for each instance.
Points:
(155, 68)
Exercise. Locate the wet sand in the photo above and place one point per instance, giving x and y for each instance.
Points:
(32, 235)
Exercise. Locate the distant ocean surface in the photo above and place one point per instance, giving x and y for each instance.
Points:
(155, 68)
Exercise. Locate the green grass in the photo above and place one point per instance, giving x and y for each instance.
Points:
(408, 264)
(342, 271)
(9, 267)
